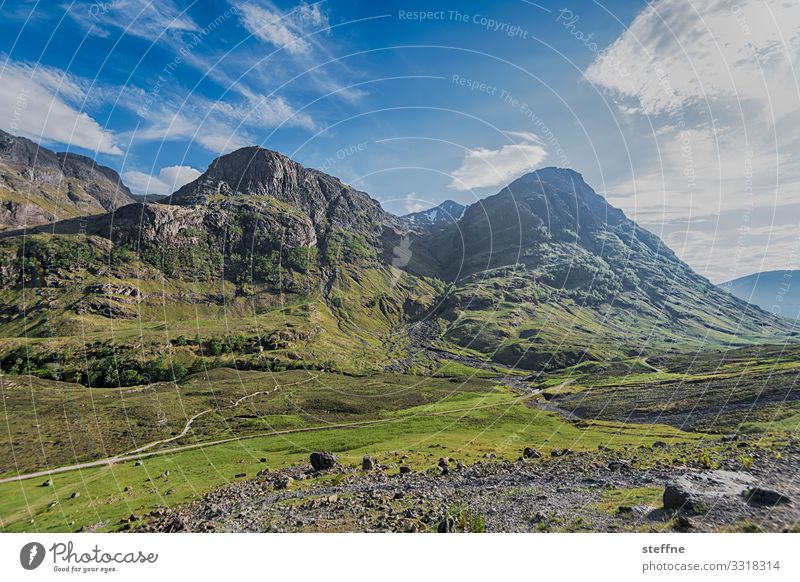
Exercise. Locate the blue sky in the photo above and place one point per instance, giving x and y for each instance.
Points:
(661, 107)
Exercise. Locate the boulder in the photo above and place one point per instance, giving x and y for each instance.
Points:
(676, 496)
(323, 460)
(764, 496)
(529, 453)
(404, 469)
(367, 463)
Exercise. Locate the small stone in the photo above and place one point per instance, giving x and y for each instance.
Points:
(490, 455)
(48, 483)
(75, 495)
(284, 483)
(405, 469)
(683, 523)
(660, 445)
(239, 475)
(461, 466)
(367, 463)
(444, 461)
(138, 463)
(263, 460)
(447, 525)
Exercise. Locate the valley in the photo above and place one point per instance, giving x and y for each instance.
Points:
(172, 366)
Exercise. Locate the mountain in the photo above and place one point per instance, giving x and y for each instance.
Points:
(269, 264)
(546, 274)
(38, 186)
(258, 245)
(775, 291)
(448, 212)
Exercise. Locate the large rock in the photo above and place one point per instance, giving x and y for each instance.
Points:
(677, 496)
(367, 463)
(323, 460)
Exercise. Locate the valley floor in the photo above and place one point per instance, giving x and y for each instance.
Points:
(572, 492)
(228, 450)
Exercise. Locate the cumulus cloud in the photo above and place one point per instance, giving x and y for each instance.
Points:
(46, 104)
(283, 30)
(484, 167)
(167, 181)
(710, 101)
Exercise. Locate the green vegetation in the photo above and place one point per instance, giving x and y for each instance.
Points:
(351, 416)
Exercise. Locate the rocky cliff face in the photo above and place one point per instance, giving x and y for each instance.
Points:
(38, 186)
(257, 175)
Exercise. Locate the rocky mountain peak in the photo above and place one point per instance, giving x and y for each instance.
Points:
(447, 212)
(258, 176)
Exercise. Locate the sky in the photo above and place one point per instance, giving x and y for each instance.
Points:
(680, 112)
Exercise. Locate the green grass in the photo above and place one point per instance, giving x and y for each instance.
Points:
(465, 424)
(612, 499)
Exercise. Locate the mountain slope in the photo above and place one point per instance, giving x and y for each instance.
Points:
(773, 291)
(38, 186)
(258, 245)
(546, 273)
(308, 271)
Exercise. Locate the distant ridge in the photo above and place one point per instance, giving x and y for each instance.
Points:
(775, 291)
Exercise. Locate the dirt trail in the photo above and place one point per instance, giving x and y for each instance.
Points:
(134, 456)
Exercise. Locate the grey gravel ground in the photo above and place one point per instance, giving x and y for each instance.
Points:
(570, 492)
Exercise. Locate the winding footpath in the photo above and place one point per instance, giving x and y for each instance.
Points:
(135, 456)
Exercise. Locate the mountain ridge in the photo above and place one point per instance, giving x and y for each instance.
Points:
(770, 290)
(544, 274)
(39, 186)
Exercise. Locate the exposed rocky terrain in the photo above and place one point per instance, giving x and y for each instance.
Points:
(604, 491)
(38, 186)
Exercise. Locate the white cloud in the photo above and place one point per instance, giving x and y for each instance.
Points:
(45, 104)
(710, 102)
(483, 167)
(283, 30)
(149, 20)
(677, 54)
(414, 204)
(169, 180)
(218, 126)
